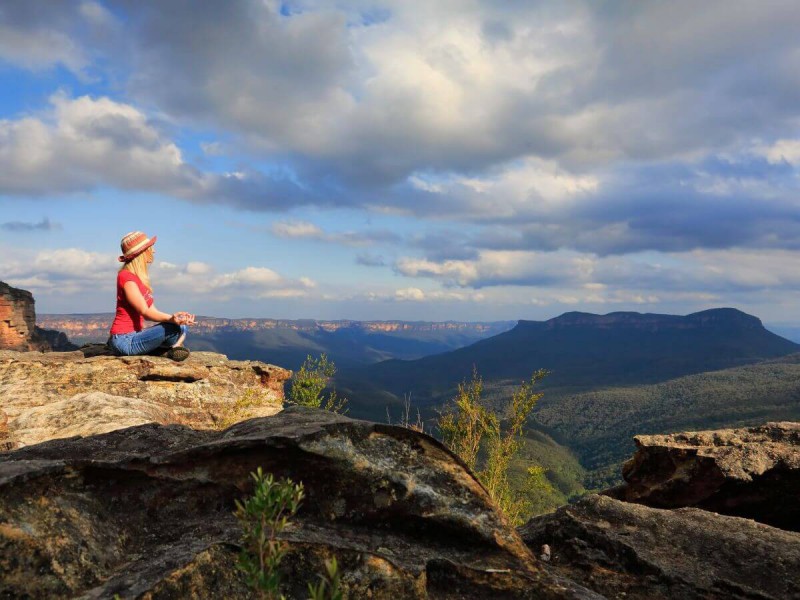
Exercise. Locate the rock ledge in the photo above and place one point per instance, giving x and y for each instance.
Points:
(45, 394)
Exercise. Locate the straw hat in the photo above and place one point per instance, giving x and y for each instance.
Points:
(133, 244)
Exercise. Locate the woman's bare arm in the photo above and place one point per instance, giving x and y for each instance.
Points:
(137, 301)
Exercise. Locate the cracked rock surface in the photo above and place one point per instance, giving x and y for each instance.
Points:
(146, 512)
(624, 550)
(44, 395)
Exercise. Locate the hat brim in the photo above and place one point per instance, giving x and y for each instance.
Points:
(129, 257)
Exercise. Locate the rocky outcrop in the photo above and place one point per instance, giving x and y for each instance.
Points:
(46, 395)
(750, 472)
(18, 320)
(18, 330)
(56, 341)
(146, 512)
(624, 550)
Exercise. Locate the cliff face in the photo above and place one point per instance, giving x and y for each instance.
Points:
(18, 330)
(94, 327)
(18, 320)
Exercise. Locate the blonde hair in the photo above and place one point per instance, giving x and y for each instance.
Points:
(138, 266)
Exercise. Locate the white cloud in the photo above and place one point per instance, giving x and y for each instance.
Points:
(73, 271)
(83, 143)
(784, 150)
(198, 268)
(410, 294)
(307, 230)
(296, 229)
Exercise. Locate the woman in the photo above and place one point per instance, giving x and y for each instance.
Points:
(135, 304)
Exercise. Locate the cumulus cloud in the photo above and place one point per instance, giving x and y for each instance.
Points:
(643, 277)
(307, 230)
(74, 271)
(83, 143)
(560, 146)
(249, 282)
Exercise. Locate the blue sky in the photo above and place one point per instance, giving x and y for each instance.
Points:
(413, 160)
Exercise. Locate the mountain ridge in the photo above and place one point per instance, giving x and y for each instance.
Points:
(581, 351)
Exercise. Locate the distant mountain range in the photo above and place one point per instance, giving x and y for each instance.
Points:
(582, 351)
(611, 376)
(287, 342)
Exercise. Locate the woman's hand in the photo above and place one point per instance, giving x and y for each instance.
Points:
(183, 318)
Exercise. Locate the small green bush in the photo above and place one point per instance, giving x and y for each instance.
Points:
(329, 585)
(263, 516)
(242, 409)
(309, 382)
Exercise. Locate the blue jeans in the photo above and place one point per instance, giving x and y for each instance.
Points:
(147, 340)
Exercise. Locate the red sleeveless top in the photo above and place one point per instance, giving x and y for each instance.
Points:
(127, 318)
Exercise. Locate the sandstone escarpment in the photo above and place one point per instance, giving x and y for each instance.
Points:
(750, 472)
(18, 320)
(18, 330)
(45, 394)
(146, 512)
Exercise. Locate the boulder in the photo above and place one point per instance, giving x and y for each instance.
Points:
(45, 394)
(750, 472)
(146, 512)
(624, 550)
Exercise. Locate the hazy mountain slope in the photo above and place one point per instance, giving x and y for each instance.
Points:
(599, 425)
(582, 351)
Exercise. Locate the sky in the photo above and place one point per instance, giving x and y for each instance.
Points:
(417, 160)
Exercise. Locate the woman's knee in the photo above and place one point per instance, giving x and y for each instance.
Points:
(171, 329)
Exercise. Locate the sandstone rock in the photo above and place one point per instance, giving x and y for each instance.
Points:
(624, 550)
(146, 512)
(18, 320)
(85, 414)
(753, 472)
(37, 388)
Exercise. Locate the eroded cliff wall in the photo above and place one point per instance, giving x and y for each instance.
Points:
(18, 320)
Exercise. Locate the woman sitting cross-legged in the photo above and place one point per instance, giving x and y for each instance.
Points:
(135, 304)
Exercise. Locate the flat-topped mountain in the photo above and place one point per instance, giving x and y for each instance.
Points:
(650, 321)
(582, 351)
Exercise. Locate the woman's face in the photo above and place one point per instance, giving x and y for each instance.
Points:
(151, 252)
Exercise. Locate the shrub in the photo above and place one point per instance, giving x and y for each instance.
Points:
(309, 382)
(329, 585)
(464, 425)
(240, 410)
(263, 516)
(470, 430)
